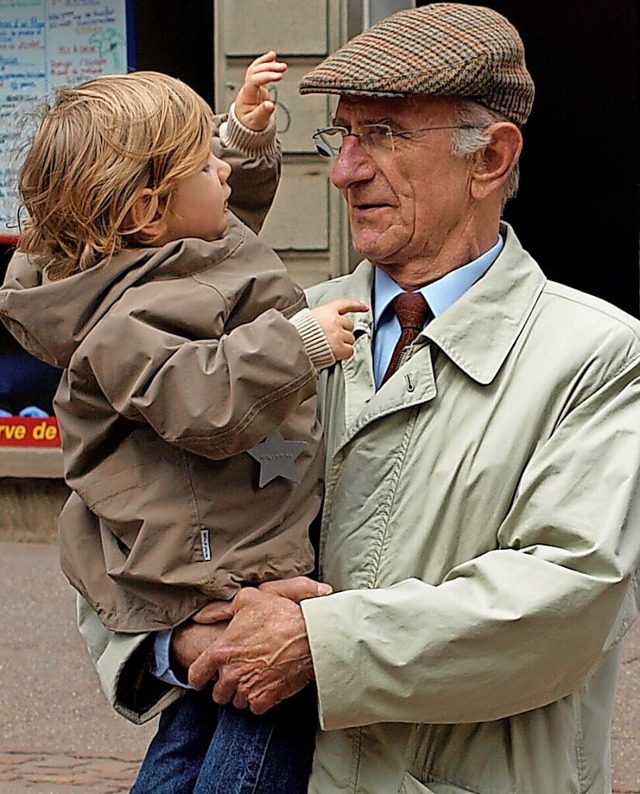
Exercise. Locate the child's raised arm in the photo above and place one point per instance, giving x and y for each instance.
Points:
(254, 106)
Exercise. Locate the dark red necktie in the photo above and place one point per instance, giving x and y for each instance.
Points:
(412, 312)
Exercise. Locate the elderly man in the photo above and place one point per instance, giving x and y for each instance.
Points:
(481, 521)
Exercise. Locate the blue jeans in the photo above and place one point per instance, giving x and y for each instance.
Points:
(201, 748)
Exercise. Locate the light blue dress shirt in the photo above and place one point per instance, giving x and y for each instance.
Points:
(439, 295)
(162, 668)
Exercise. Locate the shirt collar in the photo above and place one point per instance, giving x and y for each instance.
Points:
(441, 294)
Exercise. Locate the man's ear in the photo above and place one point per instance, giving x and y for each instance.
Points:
(145, 216)
(494, 163)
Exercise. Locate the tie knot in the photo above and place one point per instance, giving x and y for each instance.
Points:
(412, 310)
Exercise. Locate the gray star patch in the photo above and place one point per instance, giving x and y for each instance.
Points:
(277, 458)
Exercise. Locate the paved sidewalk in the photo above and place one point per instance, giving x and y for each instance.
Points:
(58, 735)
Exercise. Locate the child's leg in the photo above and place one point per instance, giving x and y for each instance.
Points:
(174, 757)
(269, 754)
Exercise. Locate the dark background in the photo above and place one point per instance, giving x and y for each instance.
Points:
(577, 209)
(177, 38)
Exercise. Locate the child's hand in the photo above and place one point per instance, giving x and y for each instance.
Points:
(337, 327)
(254, 107)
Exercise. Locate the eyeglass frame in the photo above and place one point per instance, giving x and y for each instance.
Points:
(329, 151)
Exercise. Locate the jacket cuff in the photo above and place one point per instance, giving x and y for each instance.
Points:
(314, 339)
(234, 135)
(121, 661)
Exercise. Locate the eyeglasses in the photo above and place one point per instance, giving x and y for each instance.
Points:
(380, 137)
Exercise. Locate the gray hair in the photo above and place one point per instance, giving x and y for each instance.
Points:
(467, 142)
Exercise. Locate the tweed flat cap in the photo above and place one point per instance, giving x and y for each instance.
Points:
(442, 49)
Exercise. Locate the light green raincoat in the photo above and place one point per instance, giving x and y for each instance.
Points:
(482, 524)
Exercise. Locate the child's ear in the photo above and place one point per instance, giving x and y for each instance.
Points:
(145, 216)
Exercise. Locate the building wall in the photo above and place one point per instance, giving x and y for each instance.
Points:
(306, 223)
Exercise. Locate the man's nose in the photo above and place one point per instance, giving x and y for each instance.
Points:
(352, 165)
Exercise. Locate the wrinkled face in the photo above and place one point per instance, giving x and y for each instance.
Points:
(403, 204)
(199, 204)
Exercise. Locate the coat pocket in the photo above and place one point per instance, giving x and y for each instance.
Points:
(146, 503)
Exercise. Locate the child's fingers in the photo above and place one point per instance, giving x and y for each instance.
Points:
(345, 305)
(260, 114)
(275, 66)
(267, 56)
(267, 61)
(262, 76)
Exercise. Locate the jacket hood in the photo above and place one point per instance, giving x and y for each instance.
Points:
(50, 319)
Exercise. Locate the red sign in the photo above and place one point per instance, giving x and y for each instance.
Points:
(23, 431)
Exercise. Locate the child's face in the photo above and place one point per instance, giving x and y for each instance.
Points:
(199, 204)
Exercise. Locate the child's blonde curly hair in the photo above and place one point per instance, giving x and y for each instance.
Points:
(94, 151)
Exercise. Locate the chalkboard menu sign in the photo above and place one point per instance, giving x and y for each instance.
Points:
(45, 44)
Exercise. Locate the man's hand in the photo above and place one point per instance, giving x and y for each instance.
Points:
(296, 589)
(338, 328)
(254, 107)
(190, 639)
(262, 657)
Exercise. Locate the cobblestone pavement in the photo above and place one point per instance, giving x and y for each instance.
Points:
(56, 773)
(58, 735)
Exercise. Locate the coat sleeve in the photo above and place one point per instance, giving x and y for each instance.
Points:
(213, 397)
(482, 645)
(122, 661)
(256, 163)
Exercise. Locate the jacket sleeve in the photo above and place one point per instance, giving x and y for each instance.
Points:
(481, 646)
(213, 397)
(256, 162)
(122, 662)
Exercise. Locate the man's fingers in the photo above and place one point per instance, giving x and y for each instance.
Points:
(261, 703)
(263, 655)
(240, 700)
(224, 691)
(296, 589)
(204, 668)
(214, 612)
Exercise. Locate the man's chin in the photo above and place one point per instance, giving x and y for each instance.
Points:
(376, 236)
(370, 246)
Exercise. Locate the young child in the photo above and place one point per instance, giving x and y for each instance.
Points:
(187, 400)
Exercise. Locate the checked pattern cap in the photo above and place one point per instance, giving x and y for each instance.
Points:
(441, 49)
